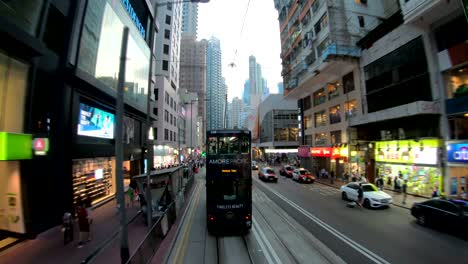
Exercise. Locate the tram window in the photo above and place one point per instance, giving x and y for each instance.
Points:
(212, 145)
(230, 187)
(234, 145)
(245, 147)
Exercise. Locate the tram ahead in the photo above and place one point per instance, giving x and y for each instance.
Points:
(228, 180)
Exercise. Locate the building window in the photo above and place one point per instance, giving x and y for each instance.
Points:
(175, 136)
(335, 137)
(155, 111)
(156, 94)
(320, 138)
(166, 97)
(166, 49)
(172, 103)
(170, 134)
(323, 45)
(335, 114)
(167, 34)
(348, 83)
(166, 116)
(308, 140)
(165, 65)
(169, 6)
(316, 5)
(171, 119)
(168, 20)
(361, 21)
(307, 122)
(166, 134)
(319, 97)
(456, 82)
(175, 105)
(332, 89)
(307, 103)
(26, 14)
(320, 118)
(362, 2)
(350, 108)
(155, 133)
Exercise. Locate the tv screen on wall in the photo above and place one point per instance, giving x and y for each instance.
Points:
(94, 122)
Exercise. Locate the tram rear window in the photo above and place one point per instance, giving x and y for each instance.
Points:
(228, 145)
(232, 188)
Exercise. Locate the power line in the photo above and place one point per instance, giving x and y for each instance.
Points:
(240, 35)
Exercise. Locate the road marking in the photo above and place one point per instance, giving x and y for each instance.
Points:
(260, 236)
(183, 245)
(358, 247)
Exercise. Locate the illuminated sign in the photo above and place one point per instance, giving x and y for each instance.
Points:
(41, 146)
(408, 151)
(128, 7)
(321, 152)
(15, 146)
(336, 153)
(303, 151)
(457, 153)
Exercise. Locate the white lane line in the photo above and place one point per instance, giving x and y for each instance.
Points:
(272, 251)
(358, 247)
(262, 245)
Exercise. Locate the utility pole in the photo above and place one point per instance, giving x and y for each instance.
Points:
(124, 250)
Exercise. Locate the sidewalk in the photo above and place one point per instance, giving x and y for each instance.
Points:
(48, 246)
(397, 197)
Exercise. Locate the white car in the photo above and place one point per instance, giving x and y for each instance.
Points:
(303, 175)
(372, 196)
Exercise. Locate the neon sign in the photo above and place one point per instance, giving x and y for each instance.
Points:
(457, 153)
(321, 152)
(134, 17)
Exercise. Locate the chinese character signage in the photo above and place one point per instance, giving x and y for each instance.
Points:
(407, 151)
(321, 152)
(457, 153)
(303, 151)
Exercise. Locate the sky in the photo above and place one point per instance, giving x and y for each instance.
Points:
(260, 37)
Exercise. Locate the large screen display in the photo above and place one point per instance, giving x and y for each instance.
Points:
(94, 122)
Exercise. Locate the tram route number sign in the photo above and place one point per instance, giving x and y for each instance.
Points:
(229, 206)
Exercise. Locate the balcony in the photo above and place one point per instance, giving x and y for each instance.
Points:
(292, 83)
(425, 12)
(299, 68)
(334, 50)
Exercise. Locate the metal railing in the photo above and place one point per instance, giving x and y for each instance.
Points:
(108, 242)
(153, 239)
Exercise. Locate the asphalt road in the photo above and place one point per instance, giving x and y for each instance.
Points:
(362, 235)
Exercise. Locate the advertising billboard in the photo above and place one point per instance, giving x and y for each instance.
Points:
(457, 152)
(94, 122)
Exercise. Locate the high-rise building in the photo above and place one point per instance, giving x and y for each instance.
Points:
(215, 86)
(193, 78)
(321, 70)
(256, 82)
(190, 19)
(280, 88)
(235, 111)
(167, 64)
(246, 93)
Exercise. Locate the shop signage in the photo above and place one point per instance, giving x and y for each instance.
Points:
(41, 146)
(336, 153)
(134, 17)
(408, 151)
(457, 153)
(303, 151)
(321, 152)
(15, 146)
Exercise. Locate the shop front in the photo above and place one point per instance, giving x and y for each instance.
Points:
(457, 168)
(415, 161)
(328, 158)
(165, 155)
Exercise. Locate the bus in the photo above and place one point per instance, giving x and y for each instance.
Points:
(228, 180)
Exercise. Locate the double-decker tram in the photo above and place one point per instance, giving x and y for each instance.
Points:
(228, 180)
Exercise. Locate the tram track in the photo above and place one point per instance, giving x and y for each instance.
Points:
(233, 249)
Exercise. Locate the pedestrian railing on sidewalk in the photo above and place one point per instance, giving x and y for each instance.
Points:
(109, 244)
(153, 239)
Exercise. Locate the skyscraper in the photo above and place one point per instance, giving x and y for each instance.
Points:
(280, 88)
(190, 19)
(246, 94)
(256, 82)
(215, 86)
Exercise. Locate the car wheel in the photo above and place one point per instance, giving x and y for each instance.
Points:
(344, 197)
(422, 220)
(367, 203)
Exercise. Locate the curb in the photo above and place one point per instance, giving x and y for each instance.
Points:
(398, 205)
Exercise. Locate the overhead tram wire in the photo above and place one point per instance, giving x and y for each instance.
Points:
(233, 63)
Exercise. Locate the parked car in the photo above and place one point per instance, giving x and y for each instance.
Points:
(372, 196)
(254, 165)
(303, 175)
(286, 170)
(267, 174)
(452, 214)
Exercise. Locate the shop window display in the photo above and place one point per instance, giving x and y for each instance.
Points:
(456, 82)
(421, 180)
(93, 178)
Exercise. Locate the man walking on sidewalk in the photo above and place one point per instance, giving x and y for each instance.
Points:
(404, 189)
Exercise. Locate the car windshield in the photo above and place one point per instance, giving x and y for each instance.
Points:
(270, 171)
(289, 168)
(303, 172)
(369, 188)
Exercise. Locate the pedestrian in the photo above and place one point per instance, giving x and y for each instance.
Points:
(360, 195)
(89, 212)
(380, 183)
(396, 187)
(83, 224)
(332, 177)
(67, 228)
(435, 192)
(130, 197)
(405, 189)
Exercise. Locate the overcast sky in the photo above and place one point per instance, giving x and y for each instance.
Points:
(260, 37)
